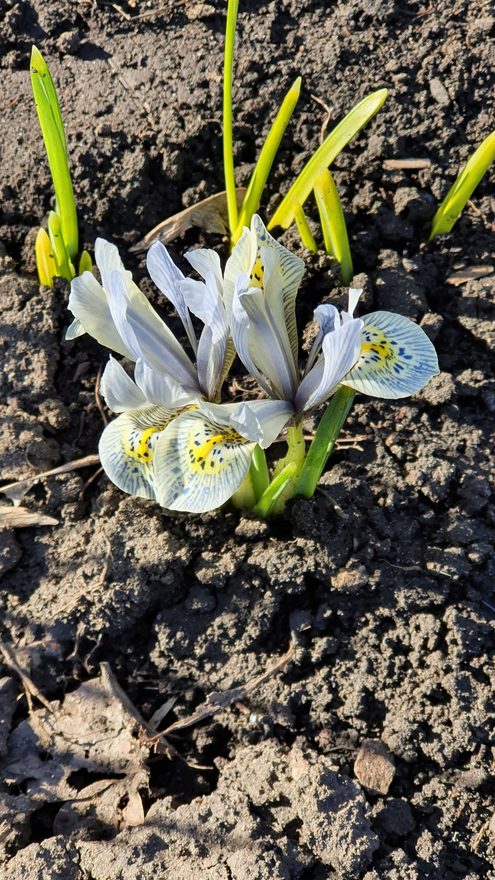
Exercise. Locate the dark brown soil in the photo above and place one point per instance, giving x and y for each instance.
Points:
(384, 580)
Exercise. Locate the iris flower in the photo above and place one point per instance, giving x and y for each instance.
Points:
(381, 354)
(171, 440)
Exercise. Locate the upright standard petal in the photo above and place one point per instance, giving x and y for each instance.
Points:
(119, 390)
(327, 317)
(397, 358)
(160, 389)
(199, 463)
(89, 305)
(341, 350)
(168, 277)
(205, 261)
(145, 334)
(127, 448)
(266, 341)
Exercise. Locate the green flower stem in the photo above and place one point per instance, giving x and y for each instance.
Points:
(296, 454)
(307, 237)
(268, 501)
(228, 148)
(259, 472)
(324, 440)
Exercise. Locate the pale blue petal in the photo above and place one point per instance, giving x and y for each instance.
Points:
(88, 303)
(205, 301)
(397, 358)
(240, 329)
(205, 261)
(74, 330)
(211, 361)
(340, 351)
(258, 420)
(168, 277)
(146, 335)
(119, 390)
(127, 448)
(108, 260)
(327, 317)
(199, 463)
(161, 389)
(239, 263)
(268, 343)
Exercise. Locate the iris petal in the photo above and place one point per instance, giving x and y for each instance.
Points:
(127, 448)
(168, 277)
(199, 463)
(340, 351)
(397, 358)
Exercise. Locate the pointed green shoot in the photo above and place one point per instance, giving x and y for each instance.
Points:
(324, 440)
(52, 130)
(333, 224)
(333, 144)
(85, 263)
(260, 477)
(270, 496)
(228, 145)
(454, 202)
(64, 265)
(307, 237)
(45, 259)
(266, 158)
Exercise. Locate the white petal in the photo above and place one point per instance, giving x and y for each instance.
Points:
(397, 358)
(119, 390)
(205, 301)
(108, 260)
(240, 329)
(239, 263)
(160, 389)
(127, 447)
(74, 330)
(340, 351)
(88, 303)
(146, 335)
(327, 317)
(258, 420)
(268, 343)
(286, 277)
(211, 362)
(204, 261)
(168, 277)
(199, 463)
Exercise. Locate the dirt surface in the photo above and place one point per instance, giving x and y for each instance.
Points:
(383, 582)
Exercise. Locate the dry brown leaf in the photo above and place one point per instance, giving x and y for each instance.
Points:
(21, 517)
(95, 730)
(406, 164)
(209, 214)
(471, 273)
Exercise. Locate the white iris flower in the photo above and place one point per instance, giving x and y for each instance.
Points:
(169, 443)
(382, 354)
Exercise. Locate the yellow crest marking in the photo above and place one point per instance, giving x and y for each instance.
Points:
(257, 273)
(138, 446)
(207, 455)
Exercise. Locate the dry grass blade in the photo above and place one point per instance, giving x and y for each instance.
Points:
(210, 215)
(220, 700)
(29, 686)
(21, 517)
(16, 490)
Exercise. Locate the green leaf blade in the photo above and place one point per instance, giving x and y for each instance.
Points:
(333, 224)
(459, 194)
(228, 144)
(333, 144)
(277, 487)
(266, 158)
(52, 129)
